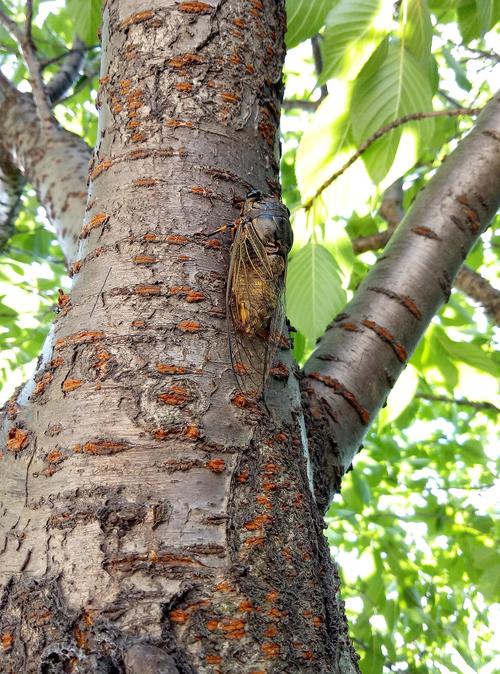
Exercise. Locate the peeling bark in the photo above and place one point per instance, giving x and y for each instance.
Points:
(364, 350)
(153, 519)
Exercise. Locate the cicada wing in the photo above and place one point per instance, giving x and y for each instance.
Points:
(255, 282)
(249, 270)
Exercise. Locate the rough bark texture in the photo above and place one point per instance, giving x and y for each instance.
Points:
(153, 518)
(366, 347)
(52, 159)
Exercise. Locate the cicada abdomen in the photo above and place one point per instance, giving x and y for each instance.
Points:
(255, 289)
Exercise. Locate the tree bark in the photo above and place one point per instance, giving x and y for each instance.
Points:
(153, 518)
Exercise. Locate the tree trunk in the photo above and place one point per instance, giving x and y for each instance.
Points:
(153, 518)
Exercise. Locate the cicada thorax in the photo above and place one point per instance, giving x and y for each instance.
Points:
(255, 289)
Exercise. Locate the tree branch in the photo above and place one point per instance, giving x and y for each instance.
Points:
(393, 306)
(12, 181)
(381, 132)
(481, 291)
(29, 52)
(468, 281)
(55, 162)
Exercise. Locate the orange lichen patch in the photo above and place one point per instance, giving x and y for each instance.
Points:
(287, 554)
(179, 617)
(12, 409)
(272, 596)
(17, 439)
(133, 125)
(195, 296)
(270, 650)
(62, 298)
(245, 606)
(229, 97)
(258, 522)
(235, 58)
(148, 290)
(271, 631)
(138, 324)
(54, 456)
(270, 469)
(189, 326)
(161, 433)
(224, 586)
(175, 395)
(250, 69)
(193, 7)
(184, 60)
(145, 259)
(144, 182)
(254, 541)
(240, 368)
(164, 368)
(213, 659)
(267, 130)
(44, 381)
(81, 638)
(239, 22)
(137, 18)
(264, 501)
(216, 465)
(274, 613)
(175, 123)
(101, 447)
(176, 239)
(340, 389)
(82, 337)
(75, 268)
(100, 168)
(6, 640)
(269, 486)
(138, 137)
(184, 86)
(243, 476)
(192, 432)
(213, 243)
(317, 621)
(99, 220)
(104, 80)
(150, 236)
(179, 290)
(71, 385)
(280, 372)
(242, 401)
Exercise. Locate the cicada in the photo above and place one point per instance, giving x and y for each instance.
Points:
(262, 240)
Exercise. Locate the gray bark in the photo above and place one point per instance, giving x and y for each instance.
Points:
(151, 515)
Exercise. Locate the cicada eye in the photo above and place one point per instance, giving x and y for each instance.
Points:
(254, 194)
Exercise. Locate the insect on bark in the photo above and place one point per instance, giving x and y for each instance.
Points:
(255, 313)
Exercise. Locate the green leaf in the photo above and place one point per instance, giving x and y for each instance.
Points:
(304, 19)
(87, 18)
(314, 291)
(386, 90)
(460, 74)
(488, 13)
(353, 31)
(325, 147)
(417, 29)
(400, 397)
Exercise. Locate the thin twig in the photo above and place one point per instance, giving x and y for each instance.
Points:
(381, 132)
(48, 62)
(475, 404)
(29, 52)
